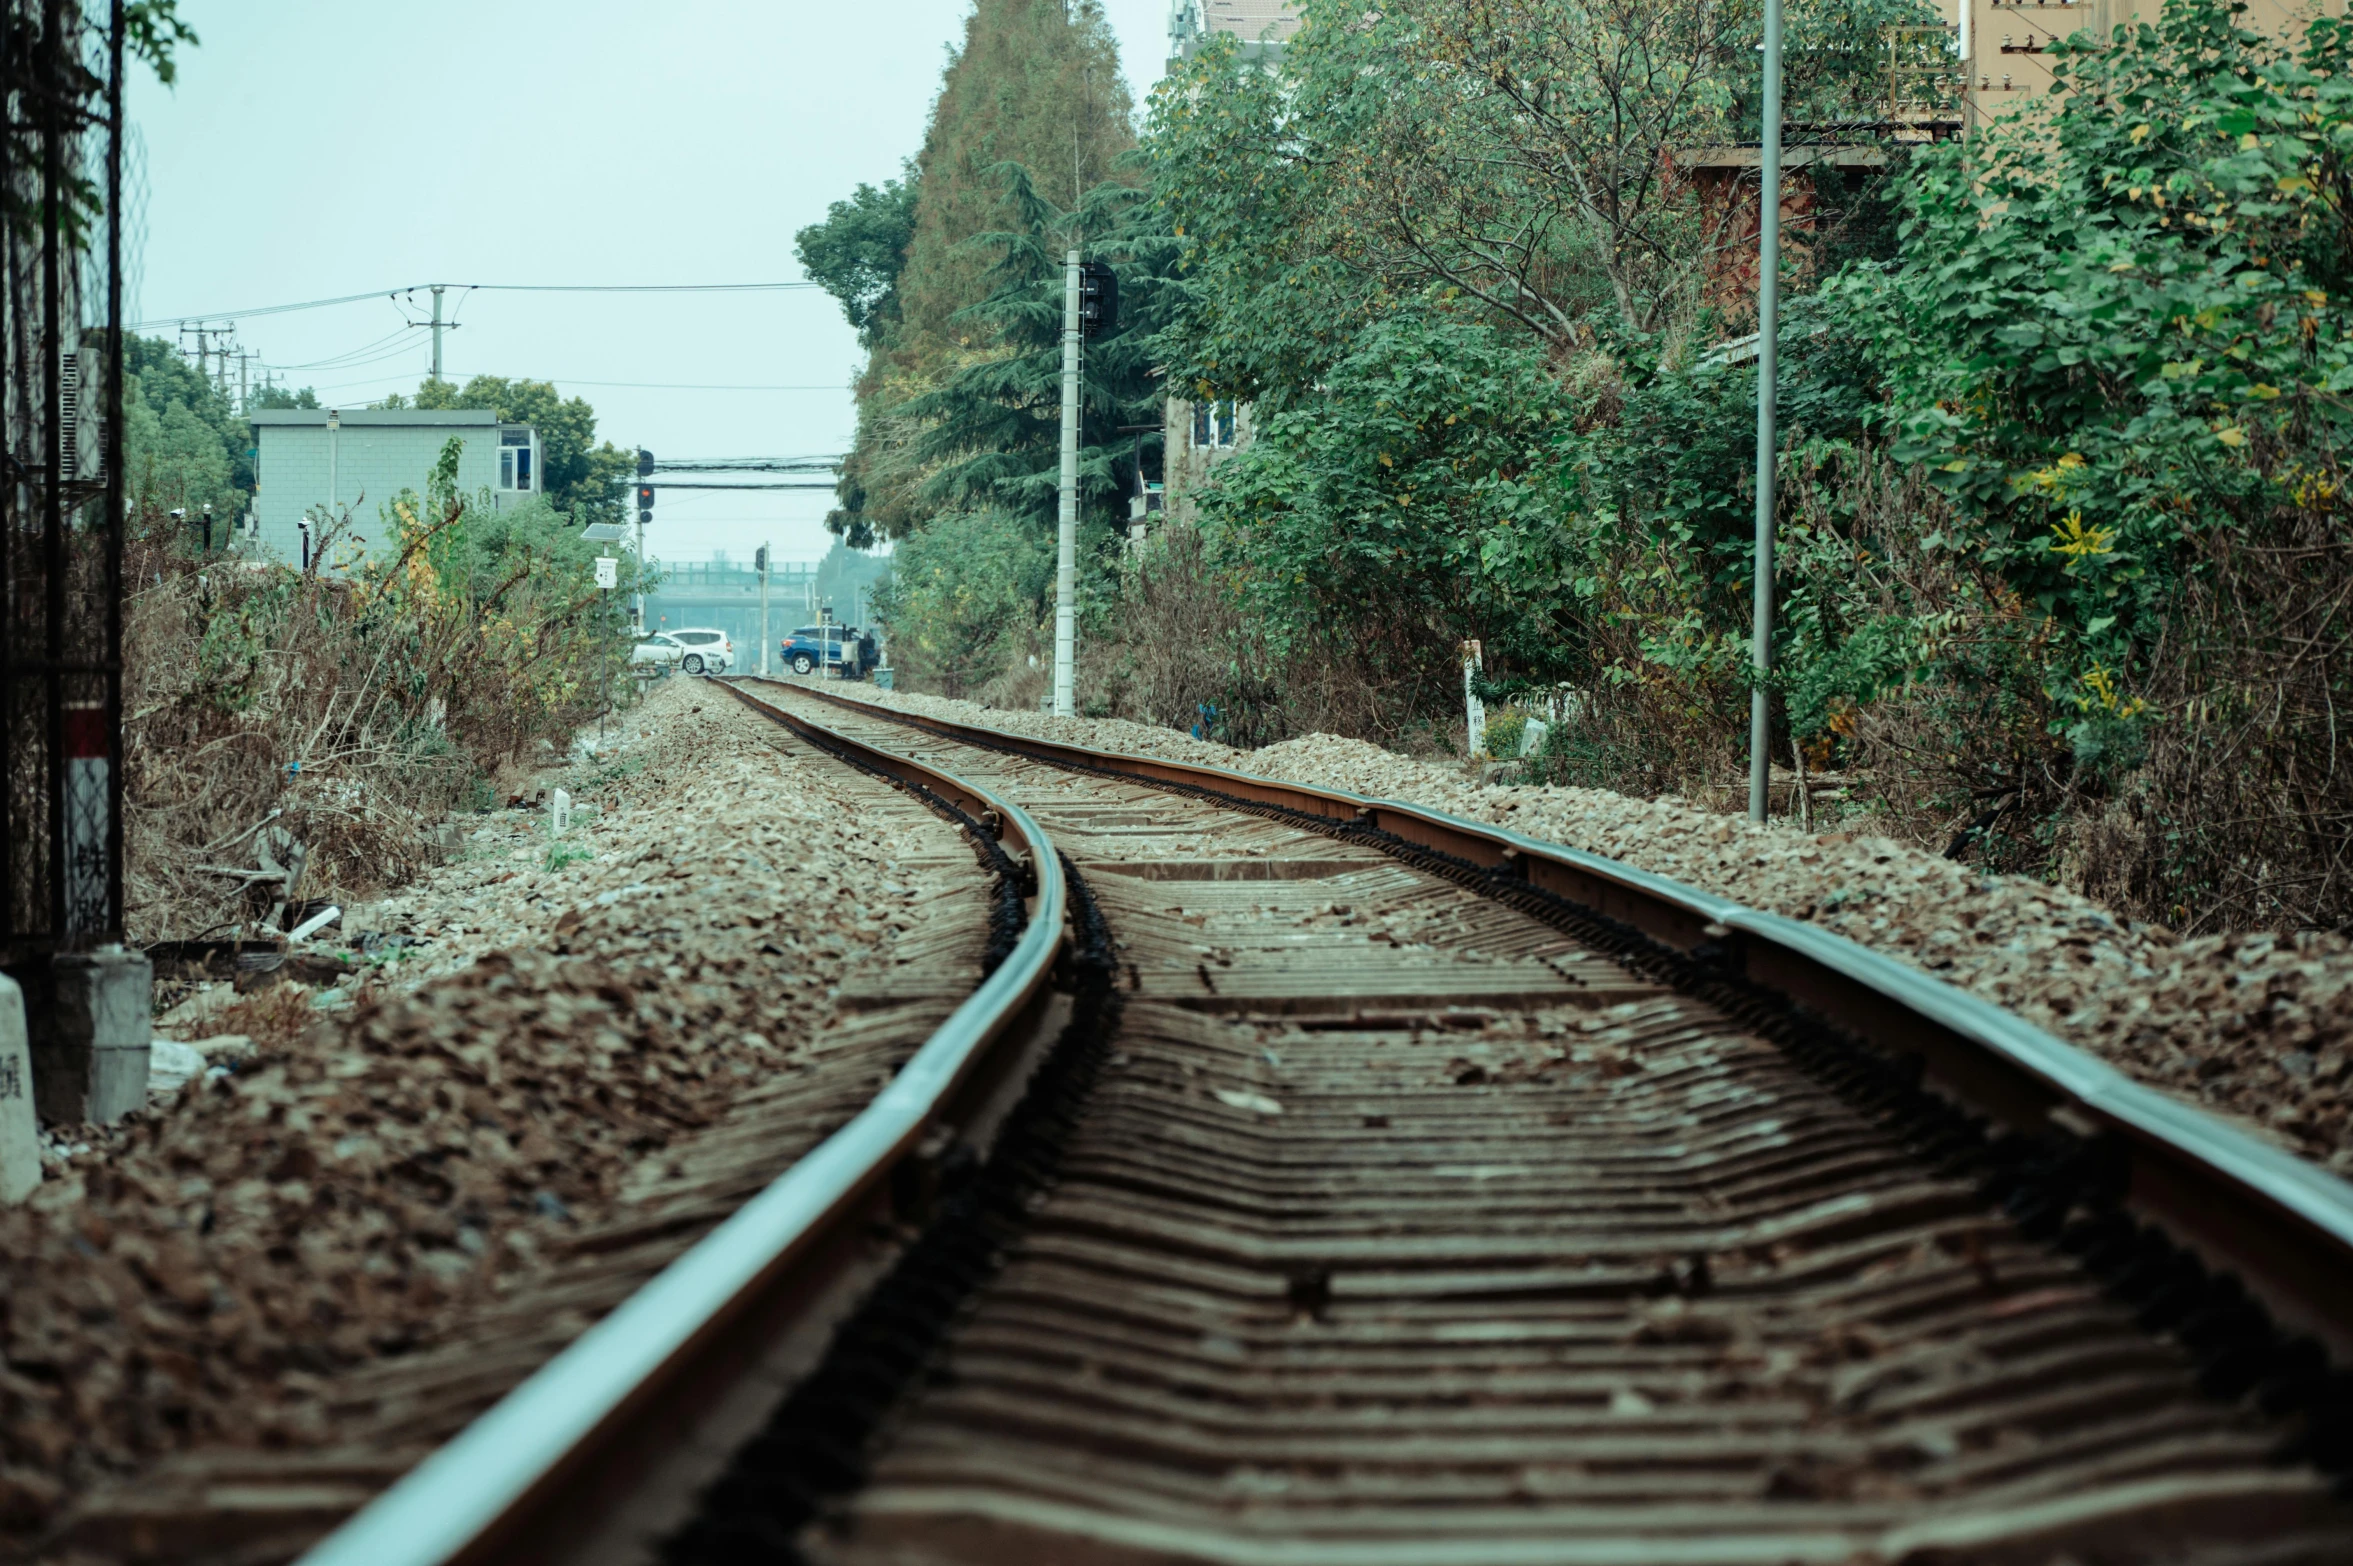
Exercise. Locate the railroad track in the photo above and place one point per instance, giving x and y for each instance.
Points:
(1383, 1188)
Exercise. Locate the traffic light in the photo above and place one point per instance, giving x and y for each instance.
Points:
(645, 503)
(645, 463)
(760, 560)
(1098, 298)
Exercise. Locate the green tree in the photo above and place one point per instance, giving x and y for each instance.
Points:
(858, 252)
(185, 447)
(580, 477)
(1036, 84)
(991, 434)
(1416, 503)
(1516, 152)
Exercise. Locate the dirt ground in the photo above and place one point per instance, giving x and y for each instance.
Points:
(385, 1153)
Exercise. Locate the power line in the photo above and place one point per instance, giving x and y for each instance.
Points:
(759, 386)
(633, 288)
(503, 288)
(353, 358)
(562, 381)
(308, 304)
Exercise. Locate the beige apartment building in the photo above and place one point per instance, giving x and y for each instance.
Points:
(2004, 45)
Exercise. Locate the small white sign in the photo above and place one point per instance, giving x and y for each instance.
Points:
(608, 571)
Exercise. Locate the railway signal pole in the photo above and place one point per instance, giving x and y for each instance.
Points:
(1760, 657)
(1090, 308)
(645, 514)
(1066, 535)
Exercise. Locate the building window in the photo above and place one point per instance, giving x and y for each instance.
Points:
(1213, 423)
(514, 459)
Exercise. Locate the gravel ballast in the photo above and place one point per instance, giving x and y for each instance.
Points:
(2256, 1027)
(394, 1156)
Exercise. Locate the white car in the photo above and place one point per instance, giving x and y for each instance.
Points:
(658, 649)
(705, 651)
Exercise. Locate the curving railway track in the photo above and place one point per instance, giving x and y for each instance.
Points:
(1351, 1184)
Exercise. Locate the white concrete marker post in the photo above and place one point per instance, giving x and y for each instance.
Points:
(91, 1060)
(20, 1131)
(1474, 710)
(559, 813)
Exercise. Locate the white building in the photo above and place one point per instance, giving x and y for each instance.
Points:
(317, 462)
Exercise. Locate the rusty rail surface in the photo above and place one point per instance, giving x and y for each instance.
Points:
(2282, 1225)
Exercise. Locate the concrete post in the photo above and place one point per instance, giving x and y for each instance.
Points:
(20, 1129)
(1066, 529)
(90, 1059)
(1474, 711)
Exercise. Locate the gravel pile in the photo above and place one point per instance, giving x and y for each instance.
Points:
(2258, 1028)
(363, 1176)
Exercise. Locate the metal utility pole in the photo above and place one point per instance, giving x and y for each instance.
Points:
(212, 355)
(1066, 545)
(437, 287)
(1760, 657)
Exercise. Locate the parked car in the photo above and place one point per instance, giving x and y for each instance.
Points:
(706, 651)
(665, 651)
(837, 646)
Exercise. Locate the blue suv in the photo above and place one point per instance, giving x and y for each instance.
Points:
(837, 646)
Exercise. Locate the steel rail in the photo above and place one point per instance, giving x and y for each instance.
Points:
(540, 1473)
(2282, 1226)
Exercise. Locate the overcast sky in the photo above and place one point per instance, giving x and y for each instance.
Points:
(311, 150)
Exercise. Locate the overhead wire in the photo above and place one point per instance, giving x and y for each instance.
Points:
(759, 386)
(504, 288)
(350, 357)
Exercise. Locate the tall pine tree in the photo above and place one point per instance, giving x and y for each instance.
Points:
(1036, 84)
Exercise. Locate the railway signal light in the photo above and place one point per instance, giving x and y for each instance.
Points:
(645, 463)
(645, 503)
(1098, 298)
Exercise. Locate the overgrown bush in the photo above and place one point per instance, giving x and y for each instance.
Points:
(2122, 345)
(358, 706)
